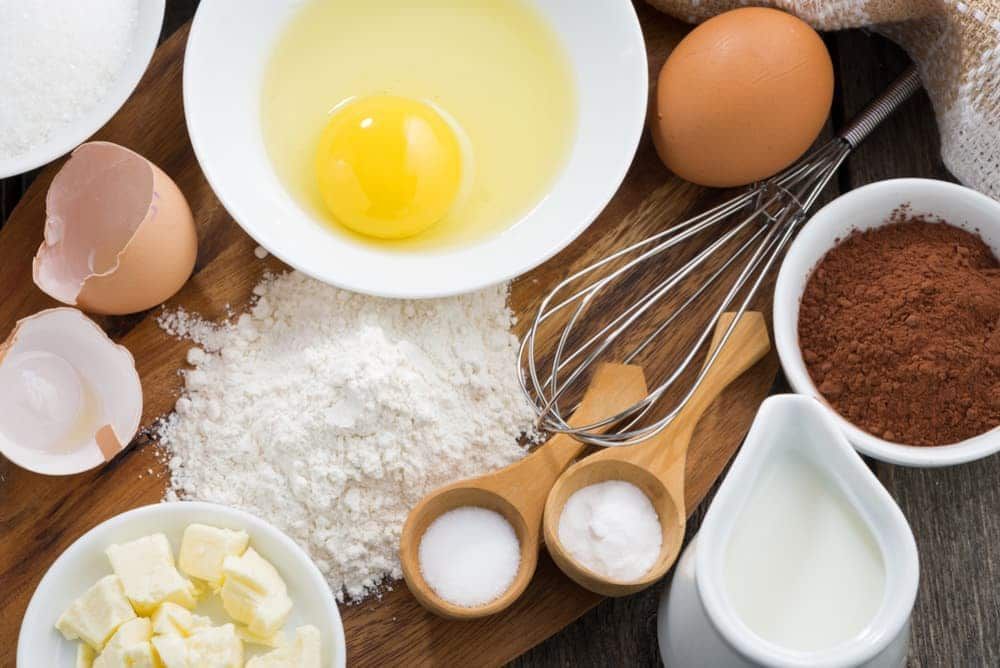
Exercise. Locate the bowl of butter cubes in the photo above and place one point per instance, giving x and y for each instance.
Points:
(183, 585)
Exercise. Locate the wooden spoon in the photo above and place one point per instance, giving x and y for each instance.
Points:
(517, 492)
(655, 466)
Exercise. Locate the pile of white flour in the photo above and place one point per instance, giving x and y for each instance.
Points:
(331, 414)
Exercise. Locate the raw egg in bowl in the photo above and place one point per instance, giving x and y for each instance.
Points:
(414, 149)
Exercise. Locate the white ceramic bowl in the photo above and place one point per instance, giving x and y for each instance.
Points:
(223, 70)
(67, 137)
(84, 562)
(866, 207)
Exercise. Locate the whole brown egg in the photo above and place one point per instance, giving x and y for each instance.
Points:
(741, 97)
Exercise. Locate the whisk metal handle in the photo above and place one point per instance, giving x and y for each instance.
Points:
(756, 228)
(881, 107)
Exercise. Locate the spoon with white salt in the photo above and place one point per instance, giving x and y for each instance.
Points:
(457, 546)
(654, 468)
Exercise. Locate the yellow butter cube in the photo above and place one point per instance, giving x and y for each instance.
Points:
(172, 619)
(254, 593)
(276, 639)
(129, 647)
(139, 655)
(172, 651)
(199, 589)
(148, 574)
(217, 646)
(97, 614)
(304, 652)
(85, 655)
(131, 632)
(204, 548)
(213, 647)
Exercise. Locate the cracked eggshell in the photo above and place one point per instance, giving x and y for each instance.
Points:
(70, 397)
(119, 235)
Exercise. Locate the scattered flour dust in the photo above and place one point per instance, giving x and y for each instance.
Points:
(331, 414)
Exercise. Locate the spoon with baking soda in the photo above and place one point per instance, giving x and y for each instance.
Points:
(469, 549)
(656, 467)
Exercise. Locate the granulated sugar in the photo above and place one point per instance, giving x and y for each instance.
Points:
(469, 556)
(59, 58)
(330, 414)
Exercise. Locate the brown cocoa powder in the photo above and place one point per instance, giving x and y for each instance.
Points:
(898, 327)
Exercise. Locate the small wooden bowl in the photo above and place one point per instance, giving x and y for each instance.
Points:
(518, 492)
(591, 471)
(449, 498)
(656, 466)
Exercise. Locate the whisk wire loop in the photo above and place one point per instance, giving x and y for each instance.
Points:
(761, 222)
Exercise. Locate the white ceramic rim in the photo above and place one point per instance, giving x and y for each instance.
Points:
(887, 523)
(791, 283)
(252, 522)
(64, 139)
(452, 271)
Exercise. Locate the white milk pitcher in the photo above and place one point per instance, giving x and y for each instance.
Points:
(803, 558)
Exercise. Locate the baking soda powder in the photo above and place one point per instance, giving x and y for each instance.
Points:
(612, 528)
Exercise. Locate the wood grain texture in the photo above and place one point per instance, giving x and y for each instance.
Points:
(956, 621)
(41, 516)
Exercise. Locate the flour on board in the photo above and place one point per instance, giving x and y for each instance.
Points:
(330, 414)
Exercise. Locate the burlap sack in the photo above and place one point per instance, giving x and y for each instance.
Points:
(956, 46)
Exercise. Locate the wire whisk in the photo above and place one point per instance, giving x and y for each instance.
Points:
(758, 225)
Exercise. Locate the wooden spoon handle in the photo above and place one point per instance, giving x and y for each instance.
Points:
(746, 346)
(526, 483)
(665, 453)
(613, 388)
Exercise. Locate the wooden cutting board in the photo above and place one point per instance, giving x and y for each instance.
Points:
(40, 516)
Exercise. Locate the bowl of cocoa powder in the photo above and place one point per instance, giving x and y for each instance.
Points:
(887, 309)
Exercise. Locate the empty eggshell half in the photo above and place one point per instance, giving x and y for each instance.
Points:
(119, 235)
(70, 397)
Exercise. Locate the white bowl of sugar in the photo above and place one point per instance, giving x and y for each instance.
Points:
(68, 67)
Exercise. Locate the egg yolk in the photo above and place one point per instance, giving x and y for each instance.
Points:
(388, 167)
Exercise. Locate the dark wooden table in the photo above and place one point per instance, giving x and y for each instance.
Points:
(953, 512)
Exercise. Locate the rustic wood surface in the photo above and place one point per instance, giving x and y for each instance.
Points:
(956, 621)
(40, 516)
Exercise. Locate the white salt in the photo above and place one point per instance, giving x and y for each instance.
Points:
(60, 57)
(469, 556)
(611, 528)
